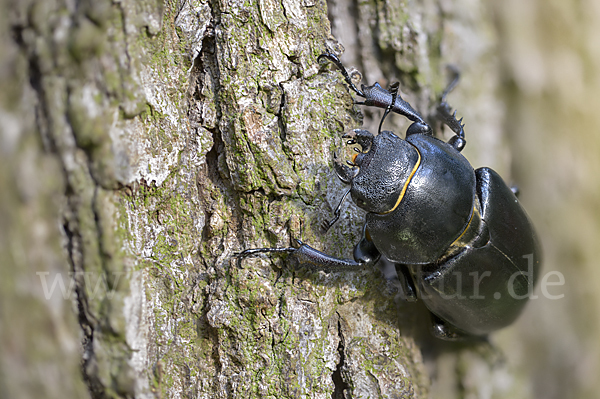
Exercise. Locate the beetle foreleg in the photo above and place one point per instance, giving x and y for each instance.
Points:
(445, 114)
(377, 96)
(255, 251)
(309, 257)
(449, 119)
(365, 255)
(366, 251)
(333, 58)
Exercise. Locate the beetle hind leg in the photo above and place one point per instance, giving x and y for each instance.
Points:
(443, 330)
(407, 283)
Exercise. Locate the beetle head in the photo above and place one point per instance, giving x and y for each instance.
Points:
(364, 138)
(380, 171)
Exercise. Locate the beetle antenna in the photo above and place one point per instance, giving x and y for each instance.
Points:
(454, 78)
(327, 224)
(394, 90)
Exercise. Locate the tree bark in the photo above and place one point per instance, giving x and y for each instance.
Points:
(146, 143)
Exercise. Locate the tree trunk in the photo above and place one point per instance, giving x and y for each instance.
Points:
(146, 143)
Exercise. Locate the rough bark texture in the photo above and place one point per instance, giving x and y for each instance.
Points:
(146, 142)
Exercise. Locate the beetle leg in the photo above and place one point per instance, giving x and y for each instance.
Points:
(365, 255)
(377, 96)
(445, 114)
(419, 128)
(447, 332)
(333, 58)
(454, 78)
(407, 283)
(307, 256)
(365, 251)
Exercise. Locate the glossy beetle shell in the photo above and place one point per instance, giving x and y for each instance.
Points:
(384, 170)
(485, 286)
(459, 238)
(479, 284)
(435, 210)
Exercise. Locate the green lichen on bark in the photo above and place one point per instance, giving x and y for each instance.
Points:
(187, 131)
(145, 142)
(272, 115)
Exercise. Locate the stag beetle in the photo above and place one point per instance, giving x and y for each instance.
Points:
(459, 238)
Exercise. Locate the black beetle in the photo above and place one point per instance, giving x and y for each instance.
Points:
(459, 238)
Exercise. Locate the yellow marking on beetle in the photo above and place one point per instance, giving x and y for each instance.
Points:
(412, 173)
(457, 241)
(354, 157)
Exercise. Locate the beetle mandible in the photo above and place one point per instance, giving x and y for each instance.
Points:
(459, 238)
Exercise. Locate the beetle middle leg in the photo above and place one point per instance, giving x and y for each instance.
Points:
(365, 255)
(307, 256)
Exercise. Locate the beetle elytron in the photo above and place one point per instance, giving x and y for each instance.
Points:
(459, 238)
